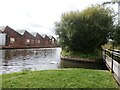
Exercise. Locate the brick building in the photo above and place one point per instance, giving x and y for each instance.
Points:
(52, 41)
(39, 40)
(13, 38)
(46, 40)
(22, 38)
(27, 39)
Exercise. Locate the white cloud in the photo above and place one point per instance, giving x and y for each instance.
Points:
(38, 15)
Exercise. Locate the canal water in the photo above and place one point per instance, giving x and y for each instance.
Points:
(16, 60)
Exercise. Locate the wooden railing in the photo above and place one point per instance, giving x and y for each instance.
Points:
(112, 61)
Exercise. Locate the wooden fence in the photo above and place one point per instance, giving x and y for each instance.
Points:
(112, 61)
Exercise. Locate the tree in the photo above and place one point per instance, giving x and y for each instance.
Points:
(116, 30)
(85, 31)
(117, 35)
(113, 2)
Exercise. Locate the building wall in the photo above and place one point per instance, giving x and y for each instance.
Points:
(27, 39)
(2, 39)
(52, 42)
(39, 41)
(12, 37)
(46, 41)
(0, 31)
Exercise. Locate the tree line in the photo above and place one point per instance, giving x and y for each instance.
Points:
(86, 31)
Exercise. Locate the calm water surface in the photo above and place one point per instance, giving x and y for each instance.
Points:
(16, 60)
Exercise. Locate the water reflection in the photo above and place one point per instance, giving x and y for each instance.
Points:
(14, 60)
(87, 65)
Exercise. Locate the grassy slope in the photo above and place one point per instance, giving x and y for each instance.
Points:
(66, 78)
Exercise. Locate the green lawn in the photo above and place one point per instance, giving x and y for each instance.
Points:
(64, 78)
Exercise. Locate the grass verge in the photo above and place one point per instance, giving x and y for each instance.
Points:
(65, 78)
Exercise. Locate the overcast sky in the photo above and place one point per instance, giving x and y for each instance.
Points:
(39, 15)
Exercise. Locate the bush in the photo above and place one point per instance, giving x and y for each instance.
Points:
(85, 31)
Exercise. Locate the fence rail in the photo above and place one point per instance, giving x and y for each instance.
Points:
(112, 64)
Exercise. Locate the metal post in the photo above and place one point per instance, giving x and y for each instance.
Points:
(112, 63)
(119, 13)
(112, 58)
(105, 54)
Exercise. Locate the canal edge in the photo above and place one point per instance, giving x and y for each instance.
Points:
(77, 59)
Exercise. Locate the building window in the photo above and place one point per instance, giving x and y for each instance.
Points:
(28, 40)
(52, 41)
(12, 40)
(38, 41)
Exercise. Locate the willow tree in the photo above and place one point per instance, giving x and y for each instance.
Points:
(85, 31)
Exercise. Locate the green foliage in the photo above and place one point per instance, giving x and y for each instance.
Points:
(85, 31)
(65, 78)
(110, 46)
(117, 35)
(92, 56)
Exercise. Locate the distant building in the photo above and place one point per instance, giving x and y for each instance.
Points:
(2, 39)
(46, 40)
(52, 41)
(39, 40)
(22, 38)
(0, 31)
(12, 37)
(27, 39)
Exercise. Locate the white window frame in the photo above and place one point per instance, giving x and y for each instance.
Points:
(12, 40)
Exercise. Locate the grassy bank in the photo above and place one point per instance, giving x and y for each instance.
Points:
(66, 78)
(95, 56)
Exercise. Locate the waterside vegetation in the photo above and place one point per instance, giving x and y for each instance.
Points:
(97, 57)
(85, 31)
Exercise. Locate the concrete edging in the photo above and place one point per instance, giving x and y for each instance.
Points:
(79, 59)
